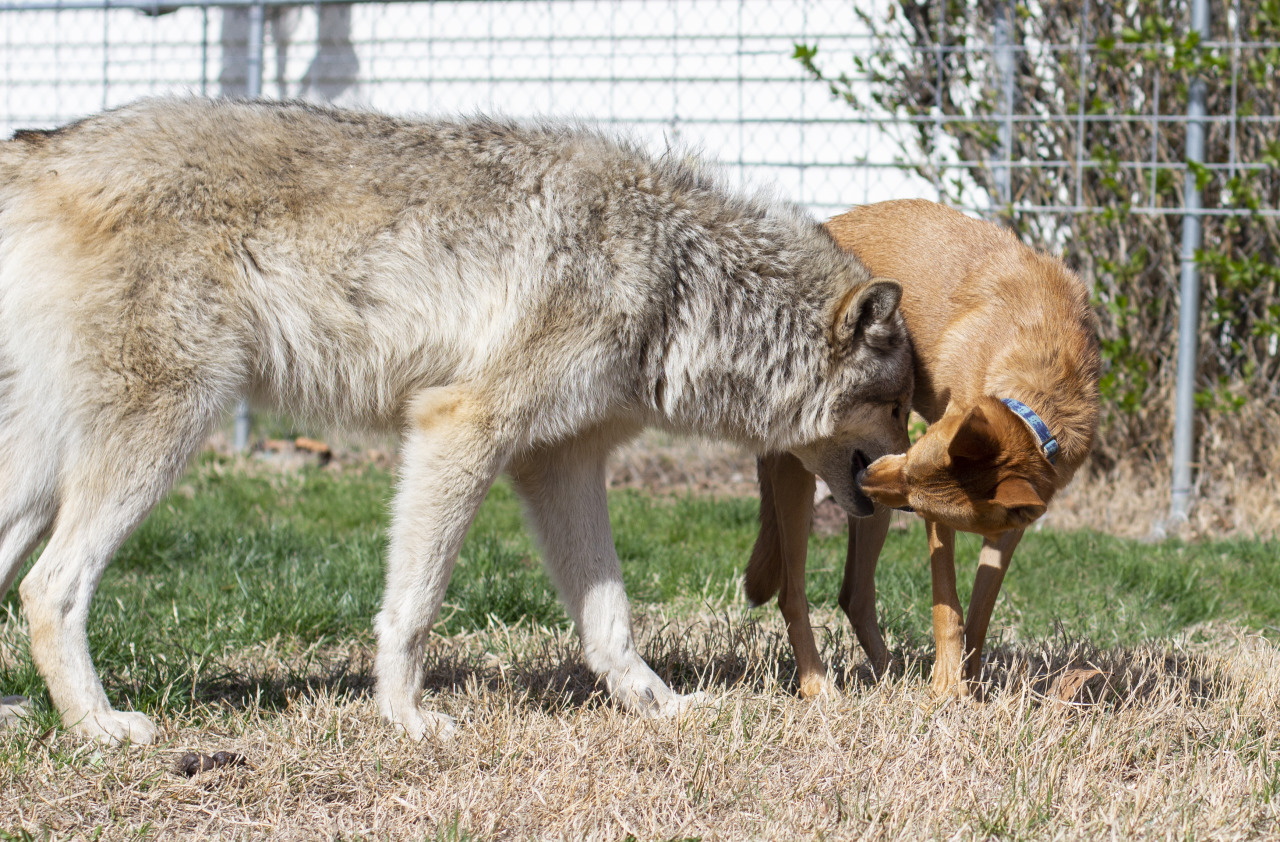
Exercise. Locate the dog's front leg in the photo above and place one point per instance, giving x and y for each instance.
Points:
(452, 452)
(564, 492)
(948, 633)
(858, 590)
(993, 563)
(791, 488)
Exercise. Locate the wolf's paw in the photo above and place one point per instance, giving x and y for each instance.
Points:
(114, 727)
(419, 724)
(662, 703)
(679, 704)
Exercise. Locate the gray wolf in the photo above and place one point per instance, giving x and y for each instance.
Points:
(995, 326)
(509, 298)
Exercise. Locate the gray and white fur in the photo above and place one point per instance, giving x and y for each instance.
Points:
(516, 298)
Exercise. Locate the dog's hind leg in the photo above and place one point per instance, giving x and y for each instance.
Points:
(452, 452)
(993, 563)
(780, 556)
(765, 568)
(106, 488)
(858, 589)
(793, 488)
(564, 493)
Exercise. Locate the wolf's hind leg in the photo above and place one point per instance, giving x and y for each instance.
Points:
(20, 532)
(28, 498)
(23, 522)
(564, 492)
(106, 489)
(451, 455)
(56, 596)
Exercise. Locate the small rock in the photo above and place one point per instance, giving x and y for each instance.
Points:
(12, 709)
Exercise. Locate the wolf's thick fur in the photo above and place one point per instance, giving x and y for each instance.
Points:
(989, 318)
(510, 298)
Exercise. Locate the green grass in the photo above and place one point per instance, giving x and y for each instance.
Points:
(231, 560)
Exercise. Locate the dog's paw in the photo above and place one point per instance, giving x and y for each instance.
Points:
(114, 727)
(816, 686)
(947, 684)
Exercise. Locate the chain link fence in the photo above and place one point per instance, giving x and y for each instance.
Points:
(1073, 121)
(1140, 139)
(717, 78)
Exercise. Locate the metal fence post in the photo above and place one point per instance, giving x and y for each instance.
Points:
(1189, 301)
(253, 88)
(1006, 66)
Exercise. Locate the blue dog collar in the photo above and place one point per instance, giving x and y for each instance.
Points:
(1047, 442)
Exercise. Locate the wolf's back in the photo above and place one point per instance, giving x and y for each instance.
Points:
(15, 156)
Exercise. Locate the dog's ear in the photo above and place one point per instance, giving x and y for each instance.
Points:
(975, 439)
(869, 309)
(1020, 499)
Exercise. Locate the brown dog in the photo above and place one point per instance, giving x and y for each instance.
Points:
(1006, 373)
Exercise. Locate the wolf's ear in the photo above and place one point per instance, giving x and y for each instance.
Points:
(974, 440)
(1023, 503)
(868, 308)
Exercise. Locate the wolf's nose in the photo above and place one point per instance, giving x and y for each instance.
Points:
(858, 467)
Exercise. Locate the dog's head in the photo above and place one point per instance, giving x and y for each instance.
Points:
(977, 470)
(870, 398)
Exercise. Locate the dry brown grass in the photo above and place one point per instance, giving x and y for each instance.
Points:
(1130, 502)
(1176, 740)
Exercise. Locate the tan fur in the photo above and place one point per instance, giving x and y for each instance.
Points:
(517, 298)
(989, 318)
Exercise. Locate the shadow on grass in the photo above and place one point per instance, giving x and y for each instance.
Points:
(1075, 673)
(1058, 669)
(545, 669)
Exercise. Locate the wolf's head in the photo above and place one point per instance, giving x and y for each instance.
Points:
(869, 394)
(978, 470)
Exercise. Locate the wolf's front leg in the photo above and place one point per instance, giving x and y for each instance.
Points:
(564, 491)
(452, 452)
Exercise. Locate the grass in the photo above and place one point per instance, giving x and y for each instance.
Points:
(239, 616)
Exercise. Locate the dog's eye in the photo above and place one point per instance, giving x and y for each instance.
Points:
(897, 411)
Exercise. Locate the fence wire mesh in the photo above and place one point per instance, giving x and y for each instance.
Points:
(713, 77)
(717, 76)
(1067, 119)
